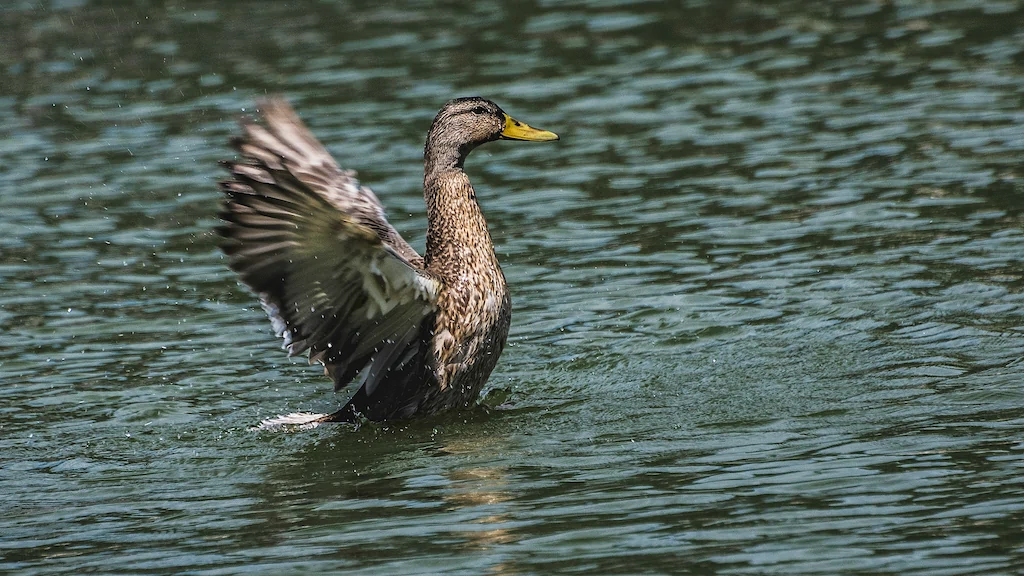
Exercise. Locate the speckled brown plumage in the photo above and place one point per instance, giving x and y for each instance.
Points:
(422, 334)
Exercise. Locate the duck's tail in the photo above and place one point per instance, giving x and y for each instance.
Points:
(309, 420)
(296, 420)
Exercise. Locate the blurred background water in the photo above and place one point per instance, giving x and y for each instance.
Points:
(768, 290)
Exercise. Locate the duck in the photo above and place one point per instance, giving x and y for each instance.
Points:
(417, 335)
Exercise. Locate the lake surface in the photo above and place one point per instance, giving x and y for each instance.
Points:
(768, 290)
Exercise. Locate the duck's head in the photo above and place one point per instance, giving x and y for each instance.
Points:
(465, 123)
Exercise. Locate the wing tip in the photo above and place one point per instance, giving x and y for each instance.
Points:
(276, 107)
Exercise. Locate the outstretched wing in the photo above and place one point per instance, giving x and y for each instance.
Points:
(333, 275)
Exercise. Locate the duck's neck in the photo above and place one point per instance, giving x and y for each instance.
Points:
(440, 154)
(457, 235)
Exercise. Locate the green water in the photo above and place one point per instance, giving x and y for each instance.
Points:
(768, 290)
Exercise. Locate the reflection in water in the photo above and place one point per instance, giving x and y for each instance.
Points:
(486, 487)
(430, 489)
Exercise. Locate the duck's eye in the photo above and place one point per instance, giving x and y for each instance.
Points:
(479, 110)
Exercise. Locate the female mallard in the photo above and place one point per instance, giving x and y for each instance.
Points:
(339, 281)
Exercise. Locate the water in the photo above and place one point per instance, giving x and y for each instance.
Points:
(768, 291)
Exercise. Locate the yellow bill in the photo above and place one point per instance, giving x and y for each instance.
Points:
(516, 130)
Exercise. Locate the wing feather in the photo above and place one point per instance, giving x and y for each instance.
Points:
(335, 278)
